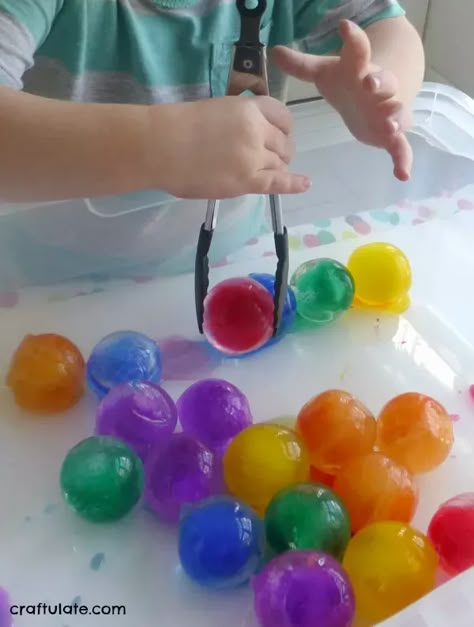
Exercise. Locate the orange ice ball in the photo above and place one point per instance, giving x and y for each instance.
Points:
(335, 427)
(317, 476)
(46, 374)
(415, 431)
(375, 489)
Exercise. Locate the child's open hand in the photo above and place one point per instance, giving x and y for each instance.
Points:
(223, 148)
(363, 93)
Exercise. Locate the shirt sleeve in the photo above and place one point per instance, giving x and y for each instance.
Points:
(24, 25)
(314, 24)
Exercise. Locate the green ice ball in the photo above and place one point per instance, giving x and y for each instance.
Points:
(307, 516)
(324, 290)
(101, 479)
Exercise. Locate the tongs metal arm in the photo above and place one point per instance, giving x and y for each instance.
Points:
(248, 73)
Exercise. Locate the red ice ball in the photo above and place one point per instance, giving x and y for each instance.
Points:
(452, 532)
(238, 316)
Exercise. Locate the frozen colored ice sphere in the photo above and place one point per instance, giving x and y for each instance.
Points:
(46, 374)
(318, 476)
(452, 532)
(391, 565)
(415, 431)
(335, 427)
(139, 413)
(214, 411)
(122, 357)
(180, 472)
(238, 316)
(221, 543)
(303, 589)
(307, 516)
(289, 309)
(324, 290)
(261, 461)
(374, 489)
(101, 479)
(382, 276)
(6, 617)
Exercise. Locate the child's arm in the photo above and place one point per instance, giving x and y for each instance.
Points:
(371, 83)
(397, 48)
(218, 148)
(51, 149)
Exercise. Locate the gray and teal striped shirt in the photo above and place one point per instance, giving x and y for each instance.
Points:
(139, 51)
(148, 51)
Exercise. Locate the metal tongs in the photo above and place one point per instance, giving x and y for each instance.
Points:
(248, 73)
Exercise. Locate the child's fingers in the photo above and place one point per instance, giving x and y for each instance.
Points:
(356, 51)
(280, 144)
(273, 161)
(382, 85)
(276, 113)
(305, 67)
(402, 157)
(397, 117)
(280, 182)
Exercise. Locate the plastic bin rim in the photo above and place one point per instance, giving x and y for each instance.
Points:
(460, 102)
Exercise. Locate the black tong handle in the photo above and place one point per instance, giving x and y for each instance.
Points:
(257, 11)
(201, 273)
(250, 21)
(281, 278)
(249, 56)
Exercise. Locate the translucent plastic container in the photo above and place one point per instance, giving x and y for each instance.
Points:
(48, 554)
(349, 178)
(150, 233)
(118, 237)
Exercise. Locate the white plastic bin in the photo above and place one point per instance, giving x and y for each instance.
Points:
(138, 234)
(350, 178)
(48, 554)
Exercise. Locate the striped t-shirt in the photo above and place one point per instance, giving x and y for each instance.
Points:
(146, 51)
(151, 51)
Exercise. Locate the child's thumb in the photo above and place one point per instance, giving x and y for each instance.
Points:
(356, 51)
(304, 67)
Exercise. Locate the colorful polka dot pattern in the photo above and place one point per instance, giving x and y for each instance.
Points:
(308, 236)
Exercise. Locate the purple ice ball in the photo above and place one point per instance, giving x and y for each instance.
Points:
(303, 589)
(214, 411)
(178, 473)
(141, 414)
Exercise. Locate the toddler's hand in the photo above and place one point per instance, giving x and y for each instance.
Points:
(224, 148)
(363, 93)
